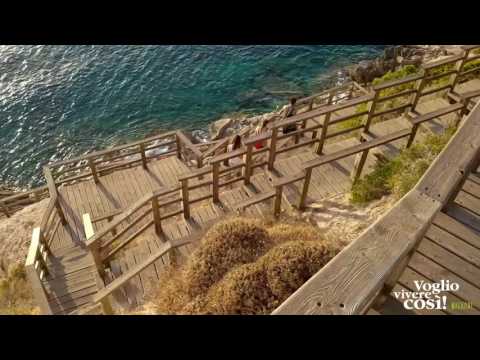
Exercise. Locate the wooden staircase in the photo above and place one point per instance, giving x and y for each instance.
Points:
(145, 213)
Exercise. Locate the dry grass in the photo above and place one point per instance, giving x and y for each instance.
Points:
(16, 293)
(244, 266)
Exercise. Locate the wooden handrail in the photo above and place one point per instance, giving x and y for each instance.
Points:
(195, 174)
(336, 89)
(470, 47)
(34, 266)
(356, 149)
(184, 141)
(397, 82)
(120, 281)
(256, 138)
(41, 189)
(229, 155)
(121, 218)
(442, 62)
(374, 257)
(114, 149)
(323, 110)
(434, 114)
(213, 149)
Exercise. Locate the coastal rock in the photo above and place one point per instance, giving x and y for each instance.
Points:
(367, 70)
(400, 55)
(219, 128)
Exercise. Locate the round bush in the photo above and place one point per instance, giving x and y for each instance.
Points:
(226, 245)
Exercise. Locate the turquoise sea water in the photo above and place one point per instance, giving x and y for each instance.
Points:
(58, 102)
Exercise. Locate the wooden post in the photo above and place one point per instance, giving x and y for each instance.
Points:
(411, 138)
(419, 86)
(273, 148)
(358, 165)
(306, 184)
(38, 289)
(179, 146)
(323, 135)
(144, 158)
(36, 197)
(185, 200)
(114, 230)
(105, 302)
(278, 201)
(215, 181)
(93, 169)
(248, 164)
(5, 210)
(371, 111)
(61, 214)
(458, 67)
(156, 216)
(350, 93)
(330, 98)
(95, 247)
(310, 105)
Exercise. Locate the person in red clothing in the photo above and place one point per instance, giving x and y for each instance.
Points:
(260, 130)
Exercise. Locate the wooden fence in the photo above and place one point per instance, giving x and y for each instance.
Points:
(371, 265)
(317, 122)
(36, 264)
(313, 127)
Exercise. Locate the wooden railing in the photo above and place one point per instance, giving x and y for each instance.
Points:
(105, 290)
(187, 150)
(102, 162)
(42, 236)
(371, 265)
(330, 96)
(131, 223)
(37, 269)
(15, 202)
(316, 122)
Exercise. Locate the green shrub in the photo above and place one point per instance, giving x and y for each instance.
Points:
(401, 73)
(356, 121)
(399, 175)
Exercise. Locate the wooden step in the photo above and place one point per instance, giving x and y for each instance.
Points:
(255, 200)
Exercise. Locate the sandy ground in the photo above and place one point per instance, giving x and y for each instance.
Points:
(16, 233)
(343, 222)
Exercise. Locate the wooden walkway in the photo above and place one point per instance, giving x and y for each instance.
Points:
(450, 250)
(73, 278)
(75, 285)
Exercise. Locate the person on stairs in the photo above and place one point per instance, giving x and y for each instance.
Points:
(234, 145)
(262, 128)
(289, 112)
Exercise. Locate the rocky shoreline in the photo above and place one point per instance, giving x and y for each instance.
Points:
(20, 225)
(396, 56)
(364, 73)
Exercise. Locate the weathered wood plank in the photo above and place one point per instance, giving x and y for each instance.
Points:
(408, 279)
(436, 272)
(450, 261)
(369, 261)
(458, 158)
(454, 245)
(458, 229)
